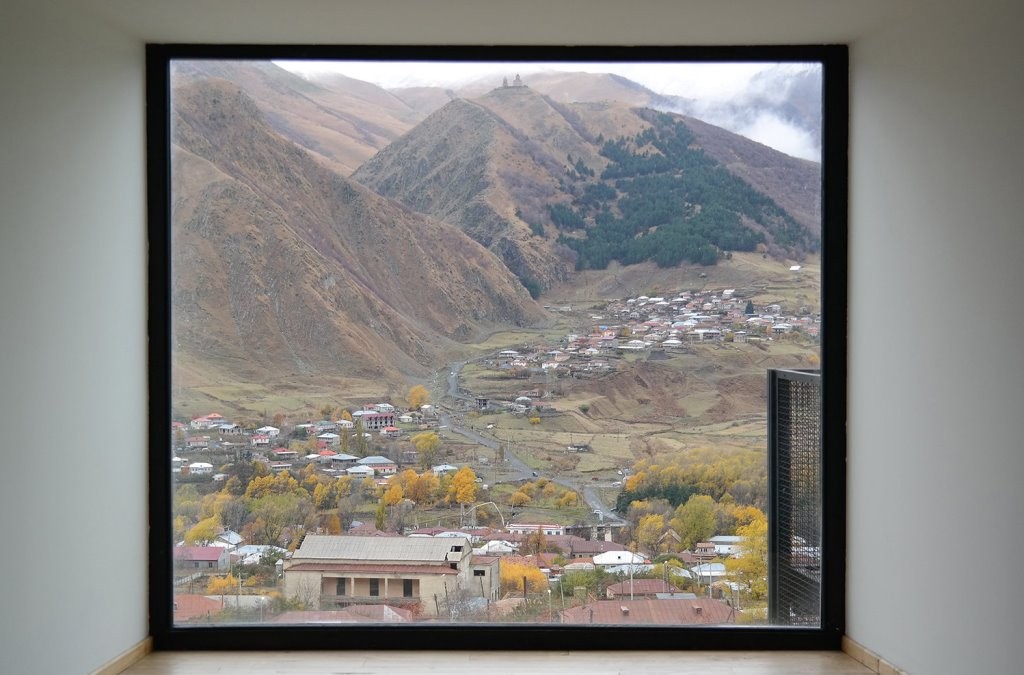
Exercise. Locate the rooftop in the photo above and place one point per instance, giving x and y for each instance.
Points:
(393, 549)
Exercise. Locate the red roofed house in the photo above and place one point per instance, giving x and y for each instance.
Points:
(646, 612)
(188, 607)
(201, 558)
(639, 588)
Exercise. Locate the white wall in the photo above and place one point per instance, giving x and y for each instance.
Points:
(935, 367)
(936, 378)
(72, 342)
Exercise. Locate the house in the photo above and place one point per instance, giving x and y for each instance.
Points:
(337, 571)
(228, 539)
(647, 612)
(284, 454)
(619, 557)
(382, 466)
(726, 544)
(260, 440)
(636, 588)
(342, 460)
(374, 421)
(273, 432)
(191, 607)
(331, 439)
(485, 570)
(705, 550)
(205, 558)
(351, 614)
(709, 572)
(442, 469)
(207, 421)
(532, 528)
(390, 432)
(197, 442)
(200, 469)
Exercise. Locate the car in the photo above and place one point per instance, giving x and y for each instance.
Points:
(535, 474)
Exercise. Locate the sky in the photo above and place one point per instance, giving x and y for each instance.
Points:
(722, 91)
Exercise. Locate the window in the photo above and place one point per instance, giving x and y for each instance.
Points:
(542, 300)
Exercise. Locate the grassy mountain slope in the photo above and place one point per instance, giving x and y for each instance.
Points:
(340, 121)
(509, 166)
(284, 269)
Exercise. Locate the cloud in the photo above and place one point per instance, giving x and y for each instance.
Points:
(745, 98)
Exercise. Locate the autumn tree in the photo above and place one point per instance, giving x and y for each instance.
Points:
(221, 585)
(750, 566)
(514, 573)
(535, 542)
(649, 530)
(427, 444)
(326, 411)
(695, 520)
(418, 397)
(569, 499)
(203, 532)
(463, 487)
(393, 495)
(519, 498)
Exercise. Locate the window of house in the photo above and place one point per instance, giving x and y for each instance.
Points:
(537, 300)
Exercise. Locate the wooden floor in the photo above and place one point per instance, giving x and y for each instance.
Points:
(497, 663)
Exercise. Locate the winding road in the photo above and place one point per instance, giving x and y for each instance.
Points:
(521, 470)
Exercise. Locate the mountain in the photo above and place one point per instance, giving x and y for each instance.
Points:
(285, 269)
(550, 186)
(339, 120)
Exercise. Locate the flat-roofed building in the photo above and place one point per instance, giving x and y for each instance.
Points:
(413, 572)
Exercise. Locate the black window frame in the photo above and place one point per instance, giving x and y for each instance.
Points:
(828, 635)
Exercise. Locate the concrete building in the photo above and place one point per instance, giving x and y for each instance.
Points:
(418, 572)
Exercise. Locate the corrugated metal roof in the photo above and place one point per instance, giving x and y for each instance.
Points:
(371, 568)
(342, 548)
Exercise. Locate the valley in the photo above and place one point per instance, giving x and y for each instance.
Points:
(509, 310)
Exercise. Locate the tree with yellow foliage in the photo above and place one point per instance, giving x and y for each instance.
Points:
(427, 444)
(750, 565)
(203, 532)
(418, 397)
(649, 530)
(462, 490)
(393, 495)
(221, 585)
(519, 498)
(514, 573)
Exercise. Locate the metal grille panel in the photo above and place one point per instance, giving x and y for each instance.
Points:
(795, 465)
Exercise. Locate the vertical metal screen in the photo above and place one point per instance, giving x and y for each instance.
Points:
(795, 502)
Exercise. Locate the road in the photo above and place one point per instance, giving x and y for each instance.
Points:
(521, 470)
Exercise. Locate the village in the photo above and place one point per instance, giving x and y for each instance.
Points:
(521, 545)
